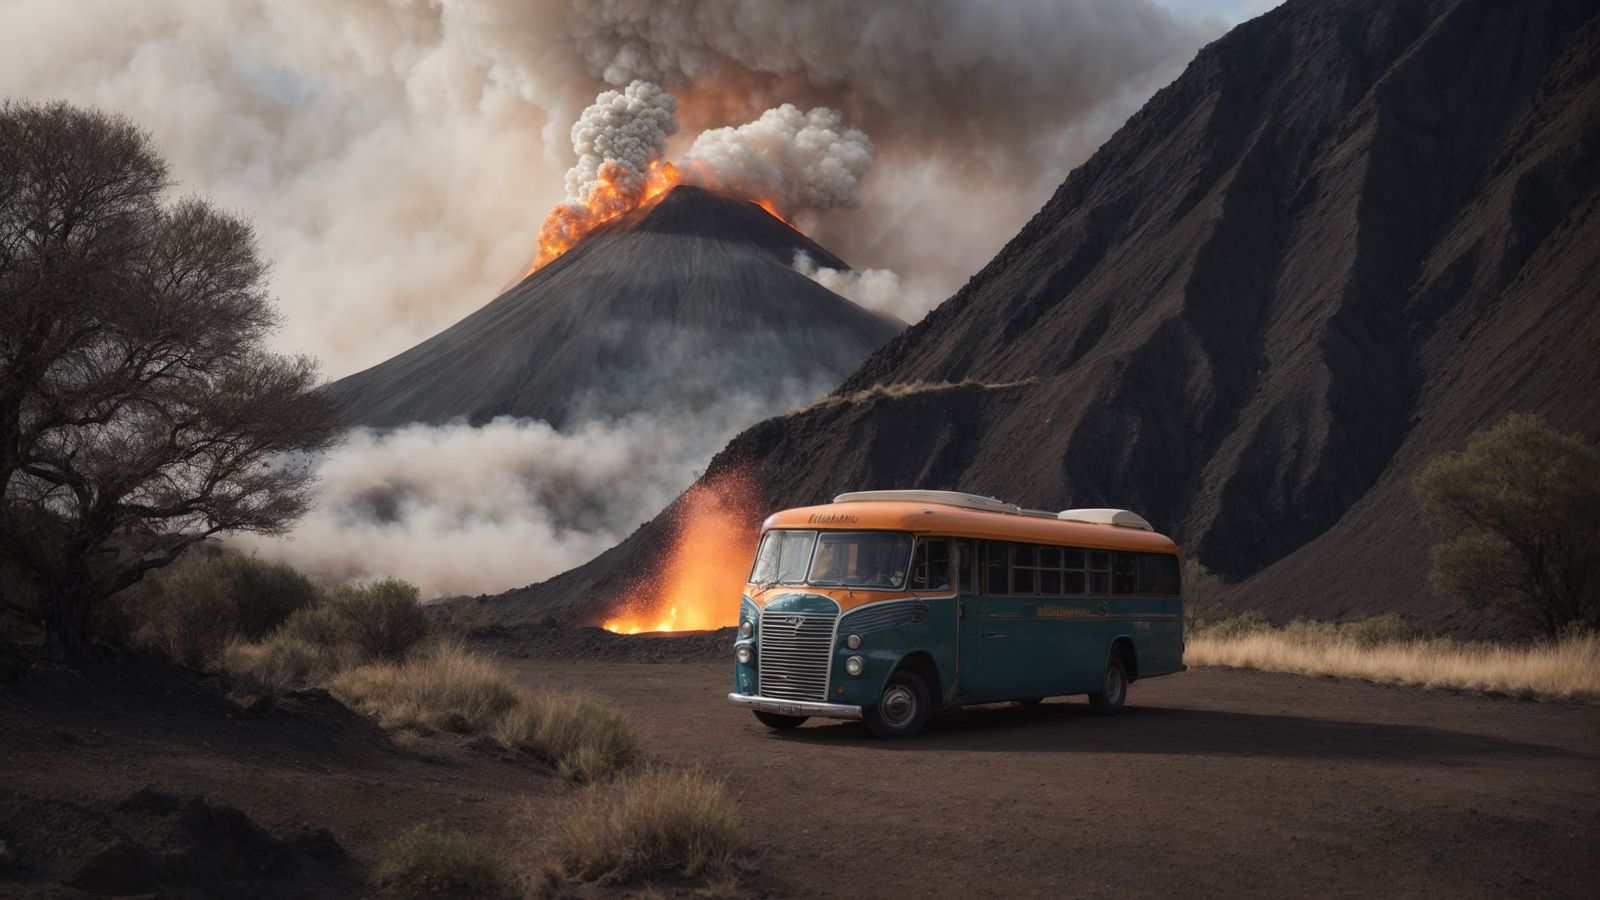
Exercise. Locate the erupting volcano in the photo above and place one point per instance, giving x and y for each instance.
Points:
(687, 301)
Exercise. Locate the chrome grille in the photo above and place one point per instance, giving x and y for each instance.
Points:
(794, 653)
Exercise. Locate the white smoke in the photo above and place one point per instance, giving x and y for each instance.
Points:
(629, 127)
(800, 160)
(457, 509)
(879, 290)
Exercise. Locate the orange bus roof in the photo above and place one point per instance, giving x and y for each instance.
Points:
(937, 518)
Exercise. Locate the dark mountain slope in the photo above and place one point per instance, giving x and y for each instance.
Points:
(664, 308)
(1351, 233)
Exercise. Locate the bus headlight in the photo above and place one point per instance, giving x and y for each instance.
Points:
(853, 642)
(746, 628)
(743, 654)
(855, 665)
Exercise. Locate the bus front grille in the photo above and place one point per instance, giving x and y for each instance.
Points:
(794, 655)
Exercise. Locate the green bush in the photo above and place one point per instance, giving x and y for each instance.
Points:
(1389, 628)
(321, 626)
(1238, 626)
(1302, 631)
(266, 593)
(383, 619)
(433, 861)
(1202, 593)
(186, 615)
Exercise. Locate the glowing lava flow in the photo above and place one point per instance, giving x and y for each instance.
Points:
(714, 541)
(613, 195)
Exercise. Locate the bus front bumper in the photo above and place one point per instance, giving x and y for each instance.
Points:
(796, 707)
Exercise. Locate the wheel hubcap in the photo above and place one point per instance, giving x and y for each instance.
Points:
(898, 705)
(1113, 686)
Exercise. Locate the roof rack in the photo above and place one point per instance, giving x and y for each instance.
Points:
(1122, 518)
(945, 498)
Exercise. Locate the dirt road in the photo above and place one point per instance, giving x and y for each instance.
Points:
(1212, 783)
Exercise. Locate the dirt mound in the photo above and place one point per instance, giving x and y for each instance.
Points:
(672, 307)
(152, 841)
(1349, 235)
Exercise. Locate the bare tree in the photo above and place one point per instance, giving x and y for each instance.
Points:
(1520, 507)
(140, 410)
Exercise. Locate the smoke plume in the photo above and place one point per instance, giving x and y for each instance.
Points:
(798, 160)
(879, 290)
(628, 129)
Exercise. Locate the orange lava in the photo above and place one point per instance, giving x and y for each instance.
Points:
(714, 542)
(772, 208)
(613, 196)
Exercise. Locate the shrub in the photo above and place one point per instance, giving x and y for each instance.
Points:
(266, 593)
(579, 734)
(1202, 593)
(321, 626)
(658, 821)
(465, 618)
(1235, 626)
(430, 860)
(1389, 628)
(384, 619)
(279, 664)
(444, 687)
(1520, 510)
(186, 615)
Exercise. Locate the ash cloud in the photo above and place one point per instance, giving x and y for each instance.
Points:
(797, 159)
(629, 127)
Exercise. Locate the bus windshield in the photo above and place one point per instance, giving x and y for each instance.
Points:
(861, 559)
(866, 559)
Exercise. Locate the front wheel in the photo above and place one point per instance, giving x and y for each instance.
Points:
(903, 708)
(779, 722)
(1114, 691)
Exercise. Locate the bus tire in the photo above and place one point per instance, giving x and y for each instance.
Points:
(779, 722)
(902, 709)
(1114, 691)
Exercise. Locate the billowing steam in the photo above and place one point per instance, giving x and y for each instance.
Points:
(879, 290)
(797, 160)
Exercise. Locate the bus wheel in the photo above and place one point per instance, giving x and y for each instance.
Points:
(1109, 699)
(781, 723)
(903, 708)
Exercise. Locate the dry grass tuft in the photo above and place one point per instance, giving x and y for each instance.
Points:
(903, 389)
(432, 861)
(277, 665)
(443, 686)
(655, 822)
(1566, 669)
(584, 737)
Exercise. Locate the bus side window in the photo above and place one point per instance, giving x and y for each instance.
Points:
(998, 571)
(967, 567)
(1099, 572)
(1158, 573)
(930, 567)
(1124, 573)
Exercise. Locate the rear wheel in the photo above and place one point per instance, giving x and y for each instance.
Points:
(779, 722)
(1113, 692)
(903, 708)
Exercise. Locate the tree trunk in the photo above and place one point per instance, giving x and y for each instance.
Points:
(68, 600)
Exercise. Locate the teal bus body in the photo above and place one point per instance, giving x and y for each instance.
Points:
(965, 643)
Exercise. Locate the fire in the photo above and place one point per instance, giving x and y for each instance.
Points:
(616, 193)
(698, 587)
(772, 208)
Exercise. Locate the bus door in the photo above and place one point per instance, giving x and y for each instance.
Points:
(996, 633)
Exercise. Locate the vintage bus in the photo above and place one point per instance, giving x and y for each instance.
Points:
(886, 605)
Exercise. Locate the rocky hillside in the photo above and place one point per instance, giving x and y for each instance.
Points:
(1350, 234)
